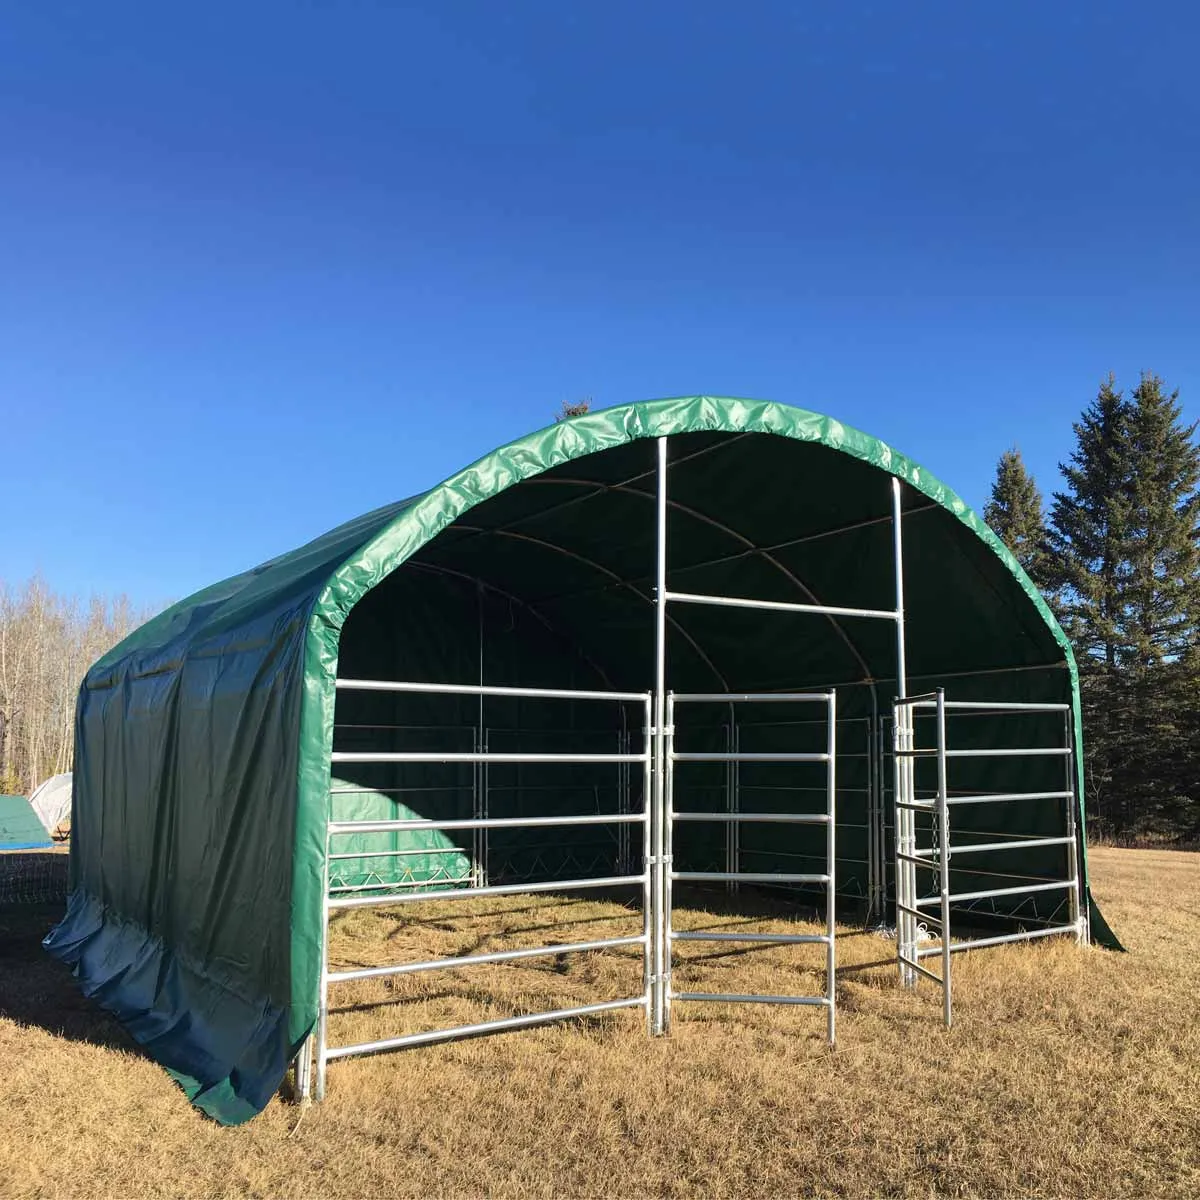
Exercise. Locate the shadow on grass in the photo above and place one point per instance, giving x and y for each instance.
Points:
(38, 990)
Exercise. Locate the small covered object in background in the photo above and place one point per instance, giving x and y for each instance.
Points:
(51, 801)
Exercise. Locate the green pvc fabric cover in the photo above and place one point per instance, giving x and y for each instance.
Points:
(202, 773)
(19, 827)
(425, 856)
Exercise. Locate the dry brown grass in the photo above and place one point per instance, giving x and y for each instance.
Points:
(1069, 1073)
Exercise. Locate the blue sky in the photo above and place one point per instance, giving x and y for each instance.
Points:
(265, 266)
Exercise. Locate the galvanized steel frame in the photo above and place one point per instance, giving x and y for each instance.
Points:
(733, 873)
(911, 912)
(658, 759)
(323, 1051)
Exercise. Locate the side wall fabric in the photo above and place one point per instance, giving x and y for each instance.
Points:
(180, 910)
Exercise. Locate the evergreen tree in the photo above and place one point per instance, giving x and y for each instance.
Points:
(1163, 596)
(1162, 609)
(1015, 513)
(1125, 563)
(1089, 529)
(1085, 544)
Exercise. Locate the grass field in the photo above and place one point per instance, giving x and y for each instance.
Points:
(1069, 1073)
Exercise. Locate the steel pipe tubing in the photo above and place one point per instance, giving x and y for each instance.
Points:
(471, 960)
(508, 889)
(461, 1031)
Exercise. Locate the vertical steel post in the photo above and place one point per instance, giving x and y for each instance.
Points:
(649, 932)
(898, 551)
(668, 859)
(881, 791)
(872, 830)
(486, 843)
(900, 796)
(478, 806)
(323, 1000)
(660, 688)
(304, 1070)
(735, 887)
(624, 801)
(1070, 787)
(943, 816)
(729, 801)
(905, 775)
(831, 886)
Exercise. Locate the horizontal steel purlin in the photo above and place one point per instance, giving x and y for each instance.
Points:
(744, 877)
(676, 756)
(987, 847)
(469, 960)
(437, 756)
(344, 827)
(1059, 885)
(755, 698)
(1007, 797)
(985, 706)
(981, 943)
(472, 689)
(738, 817)
(783, 939)
(446, 1035)
(750, 998)
(513, 889)
(781, 606)
(1031, 752)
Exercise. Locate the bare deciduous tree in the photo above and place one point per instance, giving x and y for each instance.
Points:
(47, 643)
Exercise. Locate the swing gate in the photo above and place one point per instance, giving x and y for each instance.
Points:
(657, 820)
(478, 827)
(732, 875)
(925, 813)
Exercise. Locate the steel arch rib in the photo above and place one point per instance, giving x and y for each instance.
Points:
(603, 570)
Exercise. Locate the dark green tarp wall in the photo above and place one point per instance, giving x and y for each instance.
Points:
(202, 767)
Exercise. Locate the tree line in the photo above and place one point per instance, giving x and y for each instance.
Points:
(47, 643)
(1117, 557)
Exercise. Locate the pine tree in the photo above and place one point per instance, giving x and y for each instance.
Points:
(1125, 563)
(1085, 543)
(1015, 513)
(1164, 586)
(1089, 529)
(1162, 617)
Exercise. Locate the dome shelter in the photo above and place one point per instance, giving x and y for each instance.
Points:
(654, 647)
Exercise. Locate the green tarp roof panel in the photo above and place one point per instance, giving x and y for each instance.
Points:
(19, 827)
(202, 767)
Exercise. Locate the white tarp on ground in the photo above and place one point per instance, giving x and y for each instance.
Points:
(51, 800)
